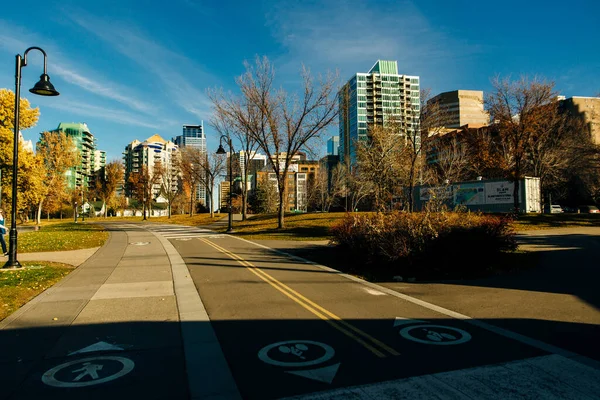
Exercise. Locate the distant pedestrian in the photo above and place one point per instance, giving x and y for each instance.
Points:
(3, 231)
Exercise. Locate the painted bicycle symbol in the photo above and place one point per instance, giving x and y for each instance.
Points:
(435, 334)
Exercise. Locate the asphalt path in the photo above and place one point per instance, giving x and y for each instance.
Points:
(126, 325)
(289, 328)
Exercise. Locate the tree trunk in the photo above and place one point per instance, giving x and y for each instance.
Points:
(245, 195)
(282, 206)
(38, 217)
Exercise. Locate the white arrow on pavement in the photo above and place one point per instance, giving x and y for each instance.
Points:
(100, 346)
(405, 321)
(325, 374)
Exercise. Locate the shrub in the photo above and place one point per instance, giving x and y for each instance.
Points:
(445, 244)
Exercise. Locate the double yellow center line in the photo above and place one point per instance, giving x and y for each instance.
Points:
(370, 343)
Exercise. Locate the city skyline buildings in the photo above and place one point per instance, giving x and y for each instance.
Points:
(142, 79)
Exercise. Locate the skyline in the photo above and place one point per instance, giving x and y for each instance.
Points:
(131, 70)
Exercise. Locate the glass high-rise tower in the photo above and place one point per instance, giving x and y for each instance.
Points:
(377, 97)
(193, 136)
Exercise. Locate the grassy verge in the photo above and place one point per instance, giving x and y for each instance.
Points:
(17, 287)
(61, 236)
(315, 226)
(178, 219)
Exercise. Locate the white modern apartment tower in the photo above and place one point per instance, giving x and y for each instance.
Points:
(148, 153)
(376, 98)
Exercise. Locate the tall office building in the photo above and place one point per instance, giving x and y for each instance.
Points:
(82, 175)
(588, 110)
(377, 97)
(148, 153)
(459, 108)
(332, 146)
(193, 136)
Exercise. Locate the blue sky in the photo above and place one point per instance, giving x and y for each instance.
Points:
(130, 69)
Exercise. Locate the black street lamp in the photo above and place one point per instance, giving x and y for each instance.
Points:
(43, 88)
(75, 212)
(221, 150)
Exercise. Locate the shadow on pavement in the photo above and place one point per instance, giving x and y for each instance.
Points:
(565, 264)
(276, 358)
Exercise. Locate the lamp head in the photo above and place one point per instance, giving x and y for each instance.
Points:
(221, 150)
(44, 87)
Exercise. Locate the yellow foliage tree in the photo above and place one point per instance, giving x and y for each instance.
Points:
(58, 153)
(28, 117)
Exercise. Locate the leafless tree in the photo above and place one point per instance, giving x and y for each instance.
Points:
(206, 168)
(514, 108)
(189, 174)
(281, 124)
(381, 160)
(226, 126)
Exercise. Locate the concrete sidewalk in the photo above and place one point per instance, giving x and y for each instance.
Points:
(72, 257)
(131, 302)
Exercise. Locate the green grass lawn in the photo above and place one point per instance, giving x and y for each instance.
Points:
(60, 236)
(17, 287)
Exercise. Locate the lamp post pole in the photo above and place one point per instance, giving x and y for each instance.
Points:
(221, 150)
(75, 212)
(42, 88)
(230, 223)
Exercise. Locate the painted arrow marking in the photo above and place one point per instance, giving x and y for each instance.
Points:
(406, 321)
(100, 346)
(325, 374)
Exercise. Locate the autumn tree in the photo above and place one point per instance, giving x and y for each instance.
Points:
(189, 175)
(515, 108)
(381, 159)
(27, 119)
(204, 168)
(107, 181)
(264, 199)
(141, 186)
(168, 182)
(58, 153)
(282, 124)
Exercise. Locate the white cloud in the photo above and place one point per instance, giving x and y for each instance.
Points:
(109, 114)
(62, 68)
(352, 36)
(164, 63)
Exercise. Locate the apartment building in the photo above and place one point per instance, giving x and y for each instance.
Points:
(148, 153)
(82, 176)
(377, 97)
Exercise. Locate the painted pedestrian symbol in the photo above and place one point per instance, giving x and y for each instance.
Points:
(299, 354)
(88, 371)
(435, 334)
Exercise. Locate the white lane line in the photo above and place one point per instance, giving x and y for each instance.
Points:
(484, 325)
(374, 292)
